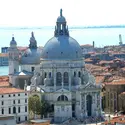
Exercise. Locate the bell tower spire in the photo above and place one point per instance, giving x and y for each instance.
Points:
(13, 59)
(60, 28)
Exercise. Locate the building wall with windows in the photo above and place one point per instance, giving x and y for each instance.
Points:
(112, 99)
(14, 102)
(3, 59)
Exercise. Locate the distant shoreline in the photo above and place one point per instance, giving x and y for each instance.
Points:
(70, 27)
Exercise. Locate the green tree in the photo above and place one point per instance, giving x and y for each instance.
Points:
(45, 108)
(34, 104)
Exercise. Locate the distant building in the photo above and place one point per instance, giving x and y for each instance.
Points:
(112, 99)
(3, 59)
(7, 120)
(87, 48)
(14, 102)
(4, 49)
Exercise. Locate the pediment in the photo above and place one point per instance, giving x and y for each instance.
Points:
(91, 86)
(62, 90)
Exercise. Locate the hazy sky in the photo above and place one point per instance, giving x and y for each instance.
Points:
(77, 12)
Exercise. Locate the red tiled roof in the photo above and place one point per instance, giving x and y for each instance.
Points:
(88, 45)
(108, 62)
(20, 48)
(10, 90)
(116, 82)
(4, 78)
(3, 54)
(4, 84)
(119, 119)
(88, 60)
(99, 79)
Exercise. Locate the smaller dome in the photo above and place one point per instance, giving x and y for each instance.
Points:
(13, 42)
(31, 56)
(61, 19)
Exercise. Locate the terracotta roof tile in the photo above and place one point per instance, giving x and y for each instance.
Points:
(88, 45)
(20, 48)
(4, 84)
(116, 82)
(88, 60)
(3, 54)
(4, 78)
(99, 79)
(119, 119)
(10, 90)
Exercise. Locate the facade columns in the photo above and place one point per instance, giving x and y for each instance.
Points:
(62, 80)
(85, 105)
(69, 80)
(54, 80)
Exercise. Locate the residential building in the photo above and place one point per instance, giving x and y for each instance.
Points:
(14, 101)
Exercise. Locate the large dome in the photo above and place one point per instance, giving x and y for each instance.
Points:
(62, 47)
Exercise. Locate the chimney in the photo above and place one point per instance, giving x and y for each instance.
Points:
(93, 44)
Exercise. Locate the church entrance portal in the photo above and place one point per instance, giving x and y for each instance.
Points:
(89, 105)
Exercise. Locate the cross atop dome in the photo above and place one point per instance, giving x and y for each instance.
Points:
(13, 37)
(60, 12)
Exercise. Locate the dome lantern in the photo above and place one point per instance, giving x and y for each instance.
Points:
(61, 26)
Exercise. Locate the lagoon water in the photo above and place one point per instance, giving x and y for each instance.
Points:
(101, 36)
(4, 70)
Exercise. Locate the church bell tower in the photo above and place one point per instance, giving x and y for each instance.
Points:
(13, 59)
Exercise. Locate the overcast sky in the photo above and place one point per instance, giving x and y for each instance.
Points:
(77, 12)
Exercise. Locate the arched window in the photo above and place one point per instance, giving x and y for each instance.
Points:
(62, 98)
(2, 111)
(9, 110)
(18, 109)
(45, 75)
(58, 78)
(74, 74)
(65, 77)
(25, 108)
(14, 110)
(49, 74)
(79, 74)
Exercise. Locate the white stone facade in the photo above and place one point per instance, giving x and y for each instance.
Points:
(61, 74)
(14, 104)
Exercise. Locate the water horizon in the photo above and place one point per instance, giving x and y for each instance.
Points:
(101, 36)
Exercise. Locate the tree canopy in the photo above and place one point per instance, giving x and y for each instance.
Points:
(34, 104)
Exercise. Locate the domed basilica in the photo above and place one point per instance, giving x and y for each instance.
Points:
(59, 71)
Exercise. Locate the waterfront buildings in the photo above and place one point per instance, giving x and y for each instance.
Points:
(59, 71)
